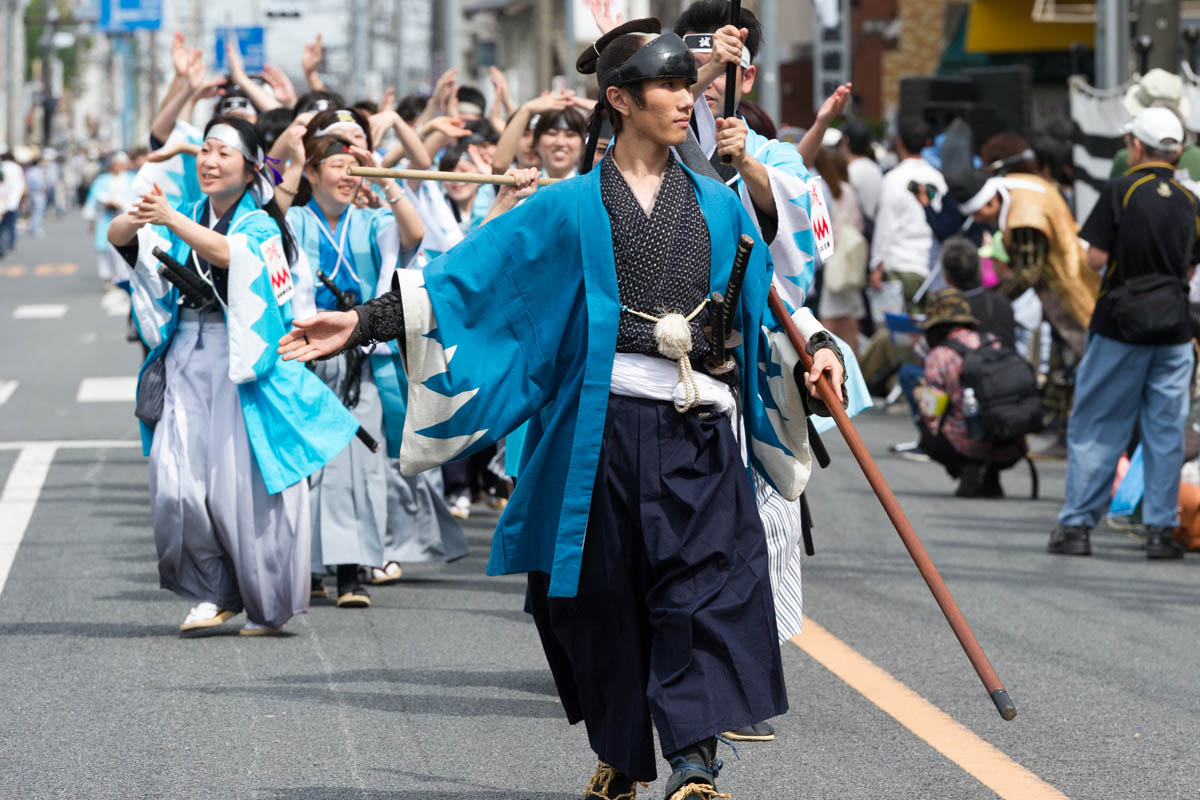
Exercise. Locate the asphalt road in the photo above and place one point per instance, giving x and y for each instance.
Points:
(440, 690)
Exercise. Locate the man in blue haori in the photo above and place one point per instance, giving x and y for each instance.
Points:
(583, 311)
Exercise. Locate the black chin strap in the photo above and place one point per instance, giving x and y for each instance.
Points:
(589, 152)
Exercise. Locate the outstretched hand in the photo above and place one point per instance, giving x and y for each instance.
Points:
(319, 337)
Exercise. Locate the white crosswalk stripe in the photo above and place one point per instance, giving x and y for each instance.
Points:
(40, 311)
(6, 390)
(107, 390)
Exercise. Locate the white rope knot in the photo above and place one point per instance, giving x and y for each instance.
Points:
(673, 337)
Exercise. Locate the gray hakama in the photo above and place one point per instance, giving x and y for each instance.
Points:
(221, 538)
(419, 525)
(785, 550)
(349, 495)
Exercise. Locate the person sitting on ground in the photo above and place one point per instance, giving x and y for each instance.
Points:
(943, 424)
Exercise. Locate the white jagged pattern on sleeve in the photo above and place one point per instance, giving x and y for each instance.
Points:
(793, 250)
(789, 473)
(245, 308)
(152, 295)
(426, 358)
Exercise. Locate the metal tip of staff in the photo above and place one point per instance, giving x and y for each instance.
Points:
(1003, 704)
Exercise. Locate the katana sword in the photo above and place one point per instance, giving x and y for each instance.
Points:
(722, 313)
(190, 285)
(735, 17)
(891, 507)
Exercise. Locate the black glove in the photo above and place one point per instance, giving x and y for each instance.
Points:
(814, 404)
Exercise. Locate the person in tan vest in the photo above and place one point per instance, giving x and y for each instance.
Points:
(1041, 239)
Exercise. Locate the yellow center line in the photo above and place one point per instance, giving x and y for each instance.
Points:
(976, 757)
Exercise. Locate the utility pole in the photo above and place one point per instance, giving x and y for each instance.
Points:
(543, 19)
(768, 70)
(14, 69)
(1158, 33)
(1112, 43)
(448, 32)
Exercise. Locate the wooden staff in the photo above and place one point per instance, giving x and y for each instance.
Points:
(431, 175)
(891, 506)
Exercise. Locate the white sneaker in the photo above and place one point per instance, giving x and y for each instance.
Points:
(460, 507)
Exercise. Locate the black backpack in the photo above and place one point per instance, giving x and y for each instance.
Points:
(1006, 389)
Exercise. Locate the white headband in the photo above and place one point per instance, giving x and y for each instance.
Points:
(702, 43)
(342, 119)
(228, 135)
(262, 187)
(990, 188)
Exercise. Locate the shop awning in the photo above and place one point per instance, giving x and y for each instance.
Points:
(1007, 26)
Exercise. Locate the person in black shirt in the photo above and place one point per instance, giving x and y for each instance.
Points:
(1137, 364)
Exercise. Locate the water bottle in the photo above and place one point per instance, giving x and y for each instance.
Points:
(971, 414)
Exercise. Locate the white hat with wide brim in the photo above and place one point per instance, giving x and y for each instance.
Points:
(1158, 89)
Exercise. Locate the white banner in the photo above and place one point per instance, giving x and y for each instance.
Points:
(1098, 115)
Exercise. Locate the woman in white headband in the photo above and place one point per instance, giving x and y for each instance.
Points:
(231, 430)
(354, 252)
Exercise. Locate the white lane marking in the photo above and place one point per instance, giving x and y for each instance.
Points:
(115, 304)
(72, 444)
(6, 390)
(20, 496)
(107, 390)
(45, 311)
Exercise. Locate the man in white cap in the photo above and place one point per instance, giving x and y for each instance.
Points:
(1137, 366)
(1160, 89)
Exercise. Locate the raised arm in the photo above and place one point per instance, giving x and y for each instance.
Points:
(510, 139)
(178, 92)
(408, 221)
(831, 109)
(259, 96)
(314, 52)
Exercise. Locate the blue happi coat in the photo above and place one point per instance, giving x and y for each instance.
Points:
(519, 322)
(371, 253)
(294, 422)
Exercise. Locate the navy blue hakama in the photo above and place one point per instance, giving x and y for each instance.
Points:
(673, 622)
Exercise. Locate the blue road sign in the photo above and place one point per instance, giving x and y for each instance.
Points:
(251, 43)
(123, 16)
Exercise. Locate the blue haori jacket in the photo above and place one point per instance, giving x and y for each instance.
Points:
(372, 251)
(294, 422)
(519, 322)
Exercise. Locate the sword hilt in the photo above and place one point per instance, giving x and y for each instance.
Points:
(737, 274)
(191, 285)
(719, 363)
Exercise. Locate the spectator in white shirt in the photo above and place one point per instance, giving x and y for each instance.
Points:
(903, 245)
(866, 176)
(10, 200)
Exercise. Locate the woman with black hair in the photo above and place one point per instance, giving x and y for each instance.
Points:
(356, 251)
(231, 430)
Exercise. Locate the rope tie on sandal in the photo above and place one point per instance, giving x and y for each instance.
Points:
(602, 781)
(698, 791)
(673, 337)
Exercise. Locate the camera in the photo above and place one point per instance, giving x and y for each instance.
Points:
(930, 190)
